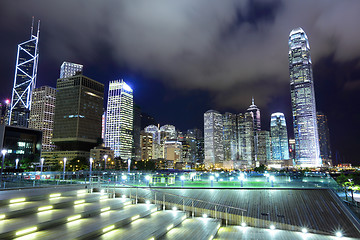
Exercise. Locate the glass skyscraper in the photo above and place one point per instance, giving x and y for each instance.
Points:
(324, 139)
(25, 80)
(213, 139)
(229, 136)
(279, 137)
(303, 100)
(119, 119)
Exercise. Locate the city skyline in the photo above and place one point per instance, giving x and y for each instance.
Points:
(177, 93)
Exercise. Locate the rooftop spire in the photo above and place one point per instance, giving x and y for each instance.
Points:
(252, 100)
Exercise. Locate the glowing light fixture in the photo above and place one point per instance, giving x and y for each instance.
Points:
(74, 218)
(17, 200)
(26, 231)
(45, 208)
(108, 228)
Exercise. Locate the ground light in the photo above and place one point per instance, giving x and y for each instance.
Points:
(304, 230)
(147, 202)
(243, 224)
(204, 215)
(272, 227)
(339, 234)
(174, 208)
(123, 177)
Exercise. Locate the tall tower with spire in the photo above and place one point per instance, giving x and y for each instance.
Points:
(303, 100)
(25, 79)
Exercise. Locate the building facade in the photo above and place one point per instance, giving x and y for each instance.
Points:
(69, 69)
(78, 111)
(25, 80)
(119, 119)
(279, 137)
(42, 114)
(246, 139)
(229, 136)
(324, 139)
(213, 139)
(303, 100)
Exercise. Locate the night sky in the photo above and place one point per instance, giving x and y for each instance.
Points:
(185, 57)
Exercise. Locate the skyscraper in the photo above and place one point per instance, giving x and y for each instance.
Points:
(264, 149)
(246, 139)
(254, 111)
(78, 112)
(42, 114)
(69, 69)
(25, 79)
(279, 137)
(324, 139)
(213, 139)
(229, 136)
(119, 119)
(303, 100)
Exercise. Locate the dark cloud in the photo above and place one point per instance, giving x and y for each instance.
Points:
(227, 51)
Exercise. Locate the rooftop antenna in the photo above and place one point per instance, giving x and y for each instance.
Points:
(38, 31)
(32, 26)
(252, 101)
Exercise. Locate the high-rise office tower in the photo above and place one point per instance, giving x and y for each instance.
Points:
(119, 119)
(78, 112)
(4, 111)
(324, 139)
(103, 122)
(213, 139)
(303, 100)
(246, 138)
(168, 132)
(146, 143)
(229, 136)
(255, 114)
(42, 114)
(264, 147)
(158, 151)
(69, 69)
(136, 135)
(25, 79)
(279, 137)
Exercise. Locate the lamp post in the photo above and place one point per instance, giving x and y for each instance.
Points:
(272, 180)
(212, 181)
(242, 178)
(64, 168)
(42, 164)
(147, 178)
(16, 163)
(91, 161)
(105, 158)
(129, 163)
(3, 152)
(182, 178)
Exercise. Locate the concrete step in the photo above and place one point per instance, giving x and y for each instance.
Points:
(194, 228)
(89, 228)
(10, 228)
(22, 207)
(152, 227)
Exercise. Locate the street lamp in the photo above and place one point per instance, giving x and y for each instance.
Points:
(42, 164)
(272, 180)
(147, 178)
(212, 180)
(91, 162)
(129, 163)
(3, 152)
(105, 157)
(242, 178)
(182, 178)
(16, 163)
(64, 168)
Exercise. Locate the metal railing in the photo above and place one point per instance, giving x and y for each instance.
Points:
(196, 207)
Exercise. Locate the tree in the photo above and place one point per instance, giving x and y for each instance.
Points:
(77, 164)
